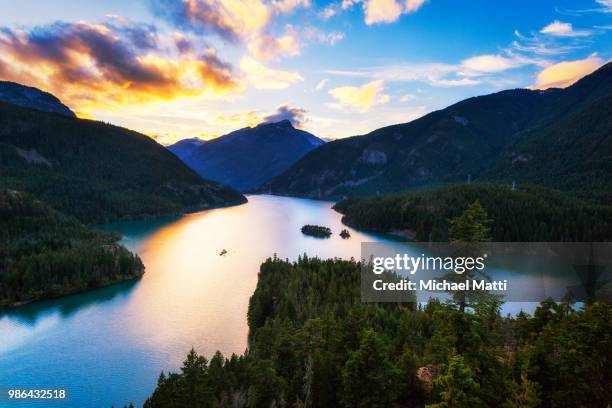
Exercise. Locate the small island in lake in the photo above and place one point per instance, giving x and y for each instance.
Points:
(345, 234)
(316, 231)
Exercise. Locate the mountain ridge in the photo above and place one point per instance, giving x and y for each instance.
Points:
(33, 98)
(185, 146)
(467, 140)
(98, 172)
(248, 157)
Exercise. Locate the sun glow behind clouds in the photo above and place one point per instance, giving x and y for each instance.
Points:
(206, 67)
(110, 65)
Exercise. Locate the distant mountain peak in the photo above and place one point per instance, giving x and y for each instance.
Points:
(250, 156)
(33, 98)
(192, 140)
(285, 123)
(185, 146)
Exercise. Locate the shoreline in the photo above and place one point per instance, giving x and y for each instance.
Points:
(22, 303)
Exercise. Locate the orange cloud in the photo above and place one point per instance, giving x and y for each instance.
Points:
(564, 74)
(361, 98)
(267, 46)
(110, 65)
(237, 21)
(239, 120)
(230, 19)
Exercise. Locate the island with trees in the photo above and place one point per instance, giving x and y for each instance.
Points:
(316, 231)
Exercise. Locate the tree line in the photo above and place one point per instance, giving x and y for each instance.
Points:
(524, 213)
(313, 343)
(44, 253)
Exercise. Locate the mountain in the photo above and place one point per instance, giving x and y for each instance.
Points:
(98, 172)
(32, 98)
(48, 254)
(185, 147)
(248, 157)
(561, 138)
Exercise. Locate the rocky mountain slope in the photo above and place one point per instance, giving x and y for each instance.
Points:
(558, 137)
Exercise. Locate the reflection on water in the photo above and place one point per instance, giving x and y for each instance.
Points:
(108, 346)
(68, 305)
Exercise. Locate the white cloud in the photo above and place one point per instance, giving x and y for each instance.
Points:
(487, 63)
(321, 84)
(263, 77)
(413, 5)
(468, 72)
(407, 98)
(435, 74)
(287, 6)
(607, 5)
(329, 38)
(347, 4)
(361, 98)
(388, 11)
(329, 11)
(381, 11)
(559, 29)
(333, 37)
(539, 47)
(457, 82)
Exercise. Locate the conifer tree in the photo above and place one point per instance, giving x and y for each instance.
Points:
(457, 386)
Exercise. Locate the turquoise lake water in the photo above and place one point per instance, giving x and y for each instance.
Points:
(108, 346)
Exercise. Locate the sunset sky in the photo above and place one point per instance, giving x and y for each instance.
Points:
(183, 68)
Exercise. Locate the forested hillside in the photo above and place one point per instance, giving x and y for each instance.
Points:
(44, 253)
(98, 172)
(526, 213)
(314, 344)
(560, 138)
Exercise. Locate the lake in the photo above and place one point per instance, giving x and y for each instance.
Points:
(108, 346)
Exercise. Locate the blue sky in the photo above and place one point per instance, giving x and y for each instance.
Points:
(184, 68)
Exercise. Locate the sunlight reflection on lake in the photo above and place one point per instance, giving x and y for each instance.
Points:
(108, 346)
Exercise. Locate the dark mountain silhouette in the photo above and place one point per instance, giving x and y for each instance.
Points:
(98, 172)
(560, 138)
(248, 157)
(32, 98)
